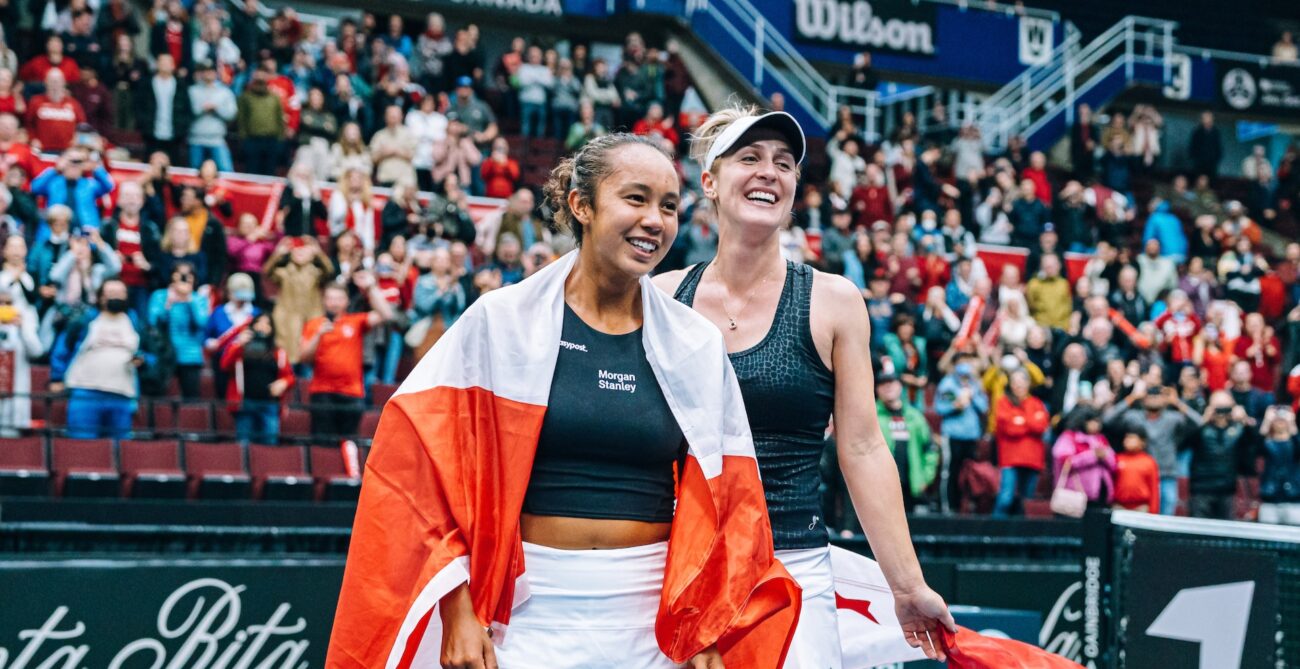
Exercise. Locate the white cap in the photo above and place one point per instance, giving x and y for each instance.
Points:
(779, 121)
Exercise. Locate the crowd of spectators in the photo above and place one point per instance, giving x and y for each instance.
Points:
(1165, 352)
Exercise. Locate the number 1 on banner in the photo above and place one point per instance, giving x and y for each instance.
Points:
(1216, 616)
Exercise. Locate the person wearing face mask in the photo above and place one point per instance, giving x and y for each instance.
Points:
(181, 310)
(961, 402)
(259, 375)
(437, 300)
(96, 359)
(228, 320)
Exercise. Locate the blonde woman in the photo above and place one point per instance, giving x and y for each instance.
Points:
(352, 208)
(350, 152)
(799, 342)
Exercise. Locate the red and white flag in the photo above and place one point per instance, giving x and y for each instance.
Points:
(445, 482)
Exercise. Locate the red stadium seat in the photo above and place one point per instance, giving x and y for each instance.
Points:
(164, 416)
(207, 386)
(216, 471)
(369, 424)
(381, 392)
(332, 481)
(57, 414)
(295, 422)
(40, 378)
(279, 472)
(194, 419)
(152, 469)
(22, 467)
(84, 468)
(223, 418)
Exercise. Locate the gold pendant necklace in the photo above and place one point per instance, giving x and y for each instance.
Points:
(731, 320)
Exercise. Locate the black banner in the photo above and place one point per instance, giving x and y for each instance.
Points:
(1249, 87)
(1212, 608)
(888, 26)
(272, 614)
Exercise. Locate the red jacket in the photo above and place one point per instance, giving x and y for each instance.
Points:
(499, 179)
(35, 70)
(1137, 481)
(1019, 429)
(870, 204)
(233, 361)
(54, 124)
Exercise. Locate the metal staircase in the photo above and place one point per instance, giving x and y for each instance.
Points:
(746, 40)
(1039, 104)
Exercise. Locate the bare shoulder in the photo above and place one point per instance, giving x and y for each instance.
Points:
(836, 296)
(669, 281)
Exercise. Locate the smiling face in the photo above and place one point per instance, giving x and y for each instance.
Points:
(755, 184)
(633, 219)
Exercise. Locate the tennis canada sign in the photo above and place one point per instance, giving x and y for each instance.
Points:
(878, 25)
(198, 625)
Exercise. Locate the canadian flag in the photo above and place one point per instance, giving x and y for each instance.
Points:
(870, 635)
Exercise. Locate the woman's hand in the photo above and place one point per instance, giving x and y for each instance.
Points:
(465, 644)
(921, 612)
(709, 658)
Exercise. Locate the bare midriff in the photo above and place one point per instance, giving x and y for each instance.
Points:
(588, 533)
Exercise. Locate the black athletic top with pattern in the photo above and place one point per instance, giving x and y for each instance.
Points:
(789, 396)
(608, 441)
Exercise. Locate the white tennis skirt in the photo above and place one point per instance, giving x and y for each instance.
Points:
(816, 643)
(588, 609)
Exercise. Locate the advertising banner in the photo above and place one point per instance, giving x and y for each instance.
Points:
(1217, 609)
(889, 26)
(117, 614)
(1250, 87)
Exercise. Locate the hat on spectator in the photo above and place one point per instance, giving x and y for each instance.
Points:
(464, 81)
(203, 65)
(778, 121)
(239, 281)
(879, 226)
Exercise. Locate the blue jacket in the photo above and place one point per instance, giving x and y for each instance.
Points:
(218, 324)
(964, 423)
(185, 323)
(83, 199)
(1164, 226)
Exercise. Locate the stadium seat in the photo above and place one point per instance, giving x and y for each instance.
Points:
(381, 392)
(332, 481)
(295, 421)
(84, 468)
(369, 423)
(56, 415)
(207, 386)
(279, 472)
(22, 467)
(193, 420)
(223, 419)
(40, 378)
(164, 416)
(151, 469)
(216, 471)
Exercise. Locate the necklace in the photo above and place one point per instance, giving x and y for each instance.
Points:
(731, 320)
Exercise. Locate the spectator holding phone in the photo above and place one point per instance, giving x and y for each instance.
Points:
(81, 271)
(259, 376)
(334, 344)
(96, 359)
(1279, 485)
(182, 311)
(77, 180)
(299, 268)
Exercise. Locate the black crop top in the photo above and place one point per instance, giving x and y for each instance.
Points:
(789, 396)
(608, 440)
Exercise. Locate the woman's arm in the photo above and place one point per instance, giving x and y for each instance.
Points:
(869, 469)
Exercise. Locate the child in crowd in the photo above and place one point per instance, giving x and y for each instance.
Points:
(1137, 476)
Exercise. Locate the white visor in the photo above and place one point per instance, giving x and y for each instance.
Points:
(779, 121)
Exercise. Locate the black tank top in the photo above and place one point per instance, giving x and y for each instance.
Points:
(789, 396)
(608, 440)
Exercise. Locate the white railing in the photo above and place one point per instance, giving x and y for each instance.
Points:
(1032, 100)
(775, 57)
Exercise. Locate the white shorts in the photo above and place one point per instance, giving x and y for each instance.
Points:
(816, 643)
(588, 609)
(1286, 513)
